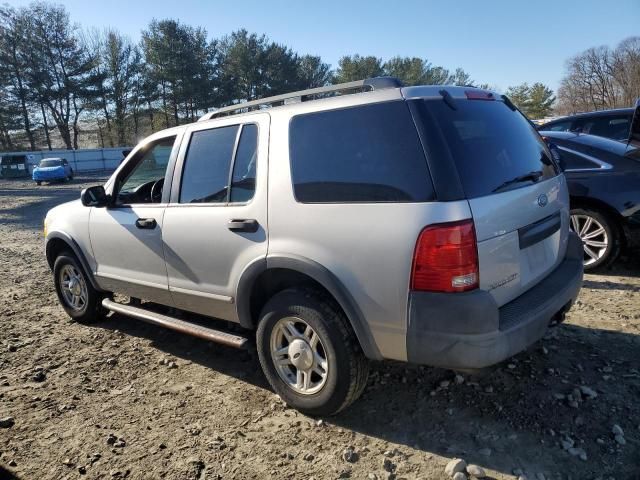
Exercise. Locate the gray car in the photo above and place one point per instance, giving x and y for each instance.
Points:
(362, 221)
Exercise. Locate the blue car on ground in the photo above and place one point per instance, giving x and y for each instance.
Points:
(52, 169)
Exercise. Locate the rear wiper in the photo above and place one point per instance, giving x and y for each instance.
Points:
(531, 176)
(448, 99)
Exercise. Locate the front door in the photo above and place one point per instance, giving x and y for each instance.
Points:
(126, 237)
(216, 222)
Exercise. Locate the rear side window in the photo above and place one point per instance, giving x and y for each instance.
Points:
(493, 147)
(206, 171)
(207, 175)
(368, 153)
(616, 128)
(243, 181)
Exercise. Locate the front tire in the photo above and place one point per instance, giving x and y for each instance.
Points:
(80, 300)
(309, 352)
(600, 237)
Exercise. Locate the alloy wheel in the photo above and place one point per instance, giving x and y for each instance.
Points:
(299, 355)
(593, 235)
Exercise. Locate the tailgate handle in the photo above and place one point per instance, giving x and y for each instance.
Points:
(536, 232)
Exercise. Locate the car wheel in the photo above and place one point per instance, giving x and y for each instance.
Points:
(38, 182)
(309, 353)
(80, 300)
(600, 237)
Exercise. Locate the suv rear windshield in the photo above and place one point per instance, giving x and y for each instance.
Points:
(494, 147)
(368, 153)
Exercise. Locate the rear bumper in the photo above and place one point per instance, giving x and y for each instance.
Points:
(468, 330)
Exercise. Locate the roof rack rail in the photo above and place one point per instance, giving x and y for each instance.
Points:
(376, 83)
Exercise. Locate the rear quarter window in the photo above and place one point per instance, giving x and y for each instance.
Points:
(368, 153)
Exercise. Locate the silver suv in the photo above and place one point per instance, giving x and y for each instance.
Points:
(363, 221)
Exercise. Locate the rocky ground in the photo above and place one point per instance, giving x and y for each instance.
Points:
(122, 399)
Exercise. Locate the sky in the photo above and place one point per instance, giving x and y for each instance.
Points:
(498, 42)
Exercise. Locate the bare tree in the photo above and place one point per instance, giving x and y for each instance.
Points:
(601, 78)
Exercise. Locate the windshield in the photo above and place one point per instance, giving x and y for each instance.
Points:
(51, 162)
(494, 147)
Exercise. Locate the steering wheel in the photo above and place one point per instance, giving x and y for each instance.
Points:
(156, 191)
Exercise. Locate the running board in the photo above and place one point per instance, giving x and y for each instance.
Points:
(176, 324)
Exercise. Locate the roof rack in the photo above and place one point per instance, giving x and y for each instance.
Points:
(376, 83)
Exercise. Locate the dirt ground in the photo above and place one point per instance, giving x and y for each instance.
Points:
(103, 401)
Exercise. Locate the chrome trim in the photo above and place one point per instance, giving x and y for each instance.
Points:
(602, 165)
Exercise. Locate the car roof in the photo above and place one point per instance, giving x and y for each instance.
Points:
(594, 141)
(52, 158)
(596, 113)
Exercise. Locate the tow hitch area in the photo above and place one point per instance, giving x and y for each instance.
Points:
(560, 316)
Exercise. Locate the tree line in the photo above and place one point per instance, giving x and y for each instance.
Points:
(64, 86)
(600, 78)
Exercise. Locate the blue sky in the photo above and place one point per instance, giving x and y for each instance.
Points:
(498, 42)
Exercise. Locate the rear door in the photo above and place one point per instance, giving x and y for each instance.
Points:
(216, 222)
(518, 199)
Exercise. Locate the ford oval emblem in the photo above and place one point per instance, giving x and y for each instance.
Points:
(543, 200)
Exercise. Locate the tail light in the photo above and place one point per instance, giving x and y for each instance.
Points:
(446, 258)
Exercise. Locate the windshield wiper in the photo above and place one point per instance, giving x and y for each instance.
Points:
(531, 176)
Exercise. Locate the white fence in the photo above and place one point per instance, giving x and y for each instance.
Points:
(81, 160)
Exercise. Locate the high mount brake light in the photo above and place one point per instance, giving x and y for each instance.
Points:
(479, 95)
(446, 258)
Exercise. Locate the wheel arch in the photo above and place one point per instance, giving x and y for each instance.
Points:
(265, 277)
(57, 242)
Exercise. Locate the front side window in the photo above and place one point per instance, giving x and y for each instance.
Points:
(144, 182)
(369, 153)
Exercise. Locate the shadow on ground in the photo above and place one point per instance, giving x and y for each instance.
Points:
(495, 416)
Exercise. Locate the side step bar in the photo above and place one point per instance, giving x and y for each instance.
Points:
(176, 324)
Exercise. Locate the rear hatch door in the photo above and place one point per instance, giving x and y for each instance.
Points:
(517, 195)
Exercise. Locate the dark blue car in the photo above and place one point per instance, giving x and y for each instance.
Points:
(51, 170)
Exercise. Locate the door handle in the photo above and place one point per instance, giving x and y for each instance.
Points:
(147, 223)
(245, 225)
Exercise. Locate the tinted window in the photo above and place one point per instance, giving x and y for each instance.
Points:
(361, 154)
(494, 148)
(616, 128)
(573, 160)
(206, 171)
(243, 182)
(558, 127)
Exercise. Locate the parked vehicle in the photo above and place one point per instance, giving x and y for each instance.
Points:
(604, 185)
(613, 124)
(345, 223)
(14, 166)
(51, 170)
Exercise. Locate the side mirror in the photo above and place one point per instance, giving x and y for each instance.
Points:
(94, 197)
(634, 129)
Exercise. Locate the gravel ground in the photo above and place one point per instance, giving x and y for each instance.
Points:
(105, 401)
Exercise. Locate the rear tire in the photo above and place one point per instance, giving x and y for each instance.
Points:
(80, 300)
(600, 236)
(309, 353)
